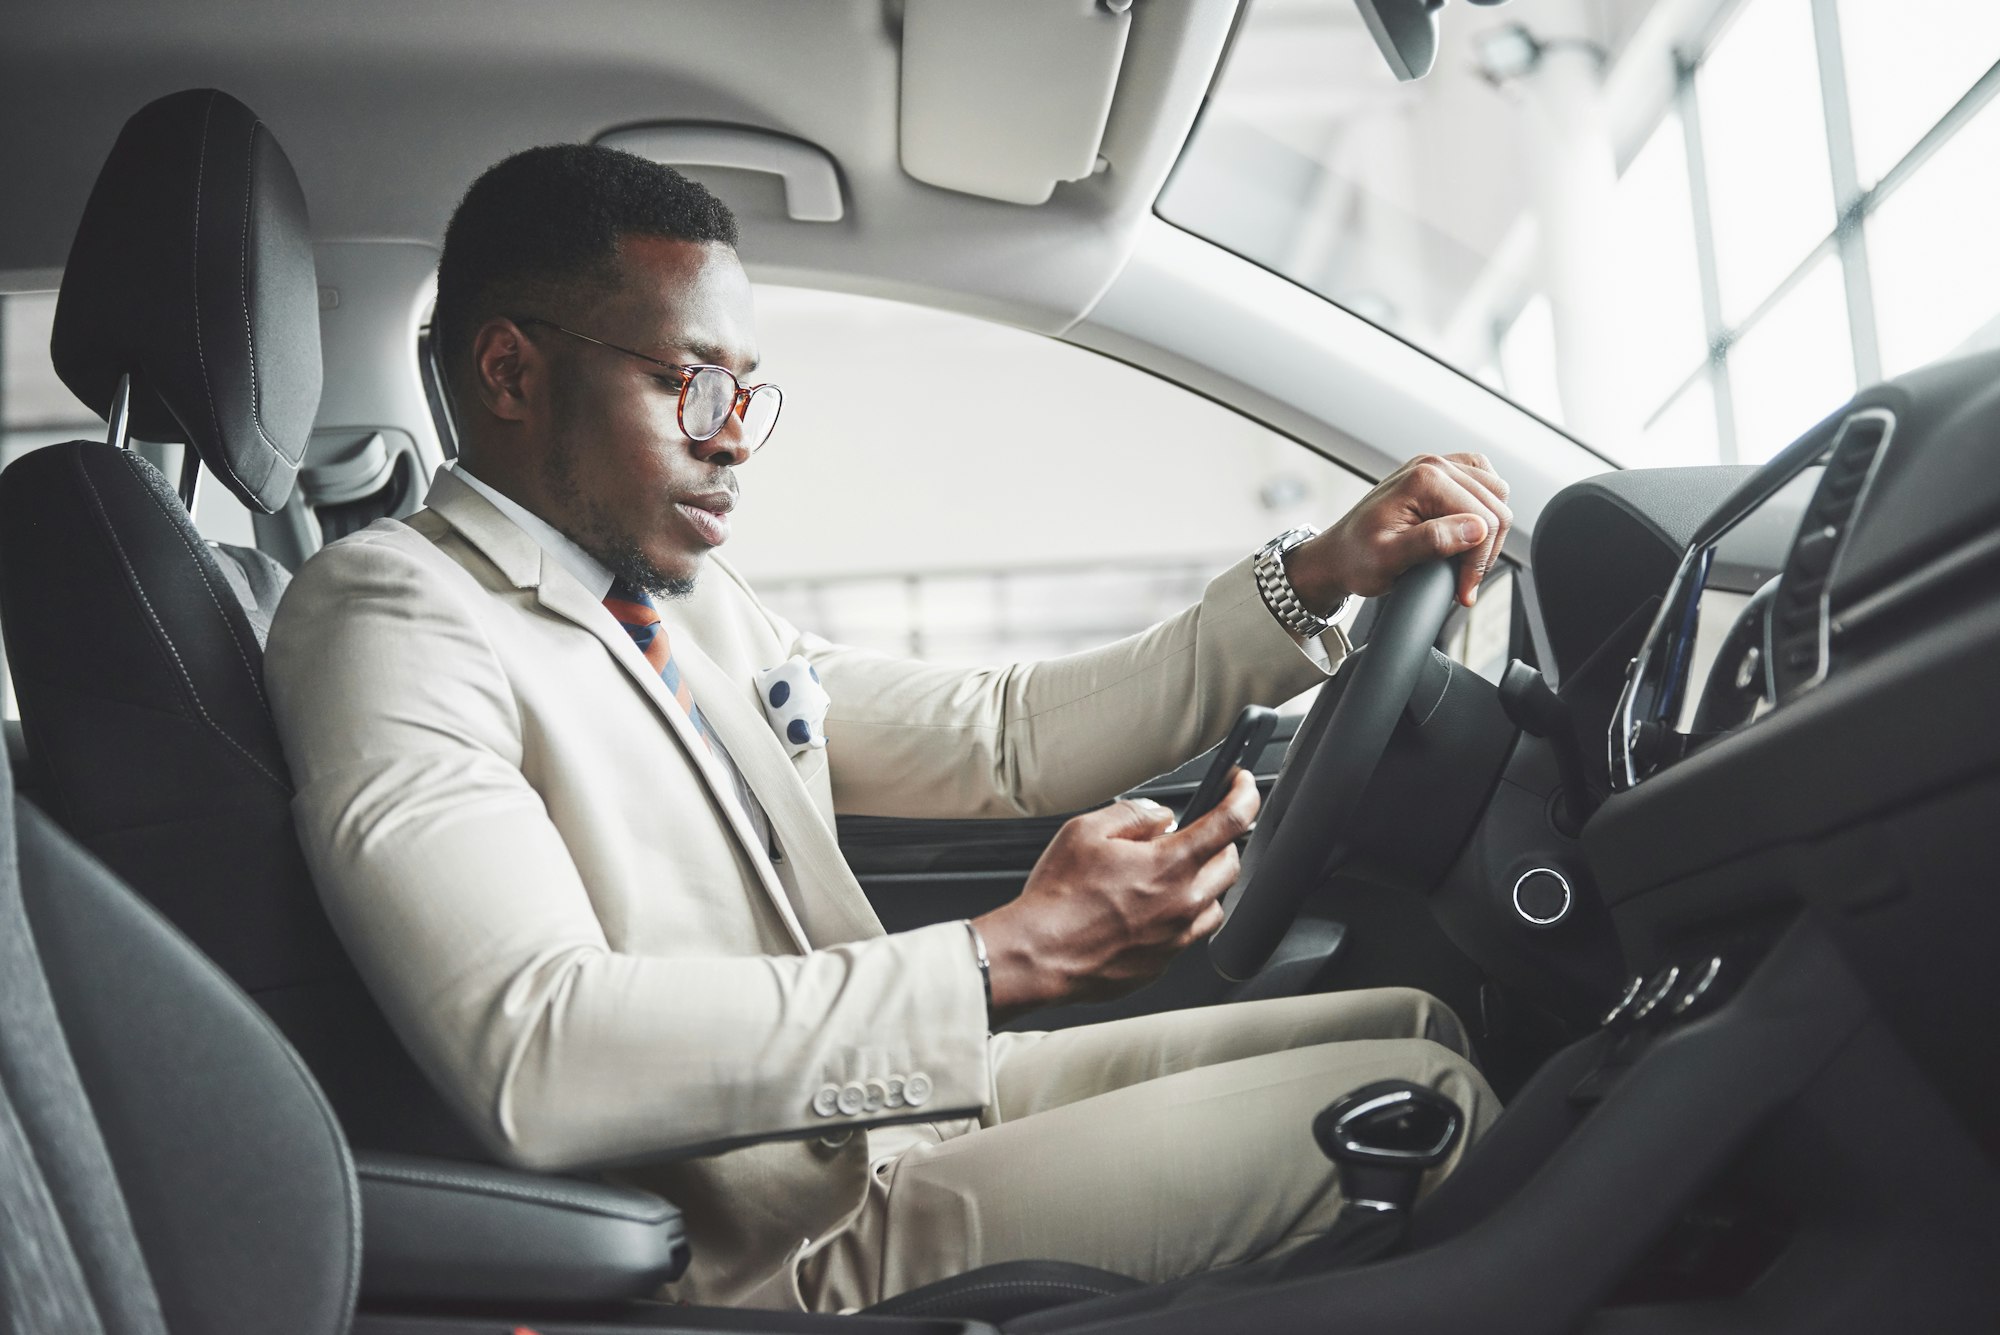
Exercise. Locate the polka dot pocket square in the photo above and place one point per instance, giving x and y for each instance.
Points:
(795, 703)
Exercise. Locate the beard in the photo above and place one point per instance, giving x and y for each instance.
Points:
(622, 557)
(599, 535)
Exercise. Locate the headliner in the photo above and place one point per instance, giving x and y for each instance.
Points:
(389, 108)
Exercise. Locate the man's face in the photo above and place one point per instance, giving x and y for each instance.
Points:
(623, 481)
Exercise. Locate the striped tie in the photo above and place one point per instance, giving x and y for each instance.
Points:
(633, 608)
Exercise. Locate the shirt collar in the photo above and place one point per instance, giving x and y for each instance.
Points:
(589, 571)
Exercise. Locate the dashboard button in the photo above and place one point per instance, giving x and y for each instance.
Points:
(1542, 897)
(1700, 991)
(1658, 988)
(1623, 1006)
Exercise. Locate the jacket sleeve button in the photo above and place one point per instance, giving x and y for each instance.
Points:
(878, 1096)
(851, 1100)
(895, 1095)
(827, 1101)
(917, 1089)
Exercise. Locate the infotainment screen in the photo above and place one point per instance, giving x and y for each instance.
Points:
(1743, 623)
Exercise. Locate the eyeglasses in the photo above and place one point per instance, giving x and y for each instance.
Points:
(709, 394)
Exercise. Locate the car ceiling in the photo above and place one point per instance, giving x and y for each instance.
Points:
(389, 108)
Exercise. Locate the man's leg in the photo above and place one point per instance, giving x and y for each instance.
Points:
(1154, 1147)
(1038, 1071)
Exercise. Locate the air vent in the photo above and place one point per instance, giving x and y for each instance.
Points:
(1798, 654)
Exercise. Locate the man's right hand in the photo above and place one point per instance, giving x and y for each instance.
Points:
(1112, 900)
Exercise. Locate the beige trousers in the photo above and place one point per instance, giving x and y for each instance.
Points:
(1154, 1147)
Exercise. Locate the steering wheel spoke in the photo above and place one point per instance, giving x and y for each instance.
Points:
(1309, 821)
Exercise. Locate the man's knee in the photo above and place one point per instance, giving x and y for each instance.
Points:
(1415, 1013)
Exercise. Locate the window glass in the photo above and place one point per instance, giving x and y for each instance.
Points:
(1794, 366)
(1907, 62)
(1023, 497)
(36, 408)
(1660, 326)
(1476, 213)
(1528, 359)
(1764, 139)
(1932, 250)
(1684, 432)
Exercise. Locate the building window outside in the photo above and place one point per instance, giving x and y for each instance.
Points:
(1683, 232)
(1020, 497)
(1803, 302)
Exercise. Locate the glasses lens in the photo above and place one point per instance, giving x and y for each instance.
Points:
(761, 415)
(706, 402)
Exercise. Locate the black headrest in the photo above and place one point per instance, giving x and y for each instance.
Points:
(193, 271)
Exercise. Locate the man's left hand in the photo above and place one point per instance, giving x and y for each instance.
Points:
(1436, 505)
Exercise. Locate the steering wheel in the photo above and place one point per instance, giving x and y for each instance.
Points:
(1307, 826)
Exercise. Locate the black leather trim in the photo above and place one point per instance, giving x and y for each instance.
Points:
(1005, 1290)
(442, 1231)
(140, 678)
(192, 271)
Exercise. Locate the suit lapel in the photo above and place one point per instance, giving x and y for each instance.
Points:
(836, 910)
(521, 559)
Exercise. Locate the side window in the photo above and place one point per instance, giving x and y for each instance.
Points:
(37, 409)
(946, 488)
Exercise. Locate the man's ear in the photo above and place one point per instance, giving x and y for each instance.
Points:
(505, 368)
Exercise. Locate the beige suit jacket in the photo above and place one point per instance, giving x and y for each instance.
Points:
(566, 916)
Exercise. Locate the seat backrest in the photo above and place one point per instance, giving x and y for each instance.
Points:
(138, 672)
(165, 1161)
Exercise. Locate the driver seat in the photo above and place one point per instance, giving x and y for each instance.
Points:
(189, 312)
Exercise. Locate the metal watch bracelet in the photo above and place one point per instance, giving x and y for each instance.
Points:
(1276, 586)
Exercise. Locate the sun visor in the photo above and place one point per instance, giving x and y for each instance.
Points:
(1006, 98)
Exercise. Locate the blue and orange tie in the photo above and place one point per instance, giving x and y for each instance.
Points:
(633, 608)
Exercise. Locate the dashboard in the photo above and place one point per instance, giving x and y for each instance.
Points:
(1787, 677)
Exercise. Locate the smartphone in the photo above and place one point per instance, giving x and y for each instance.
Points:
(1245, 742)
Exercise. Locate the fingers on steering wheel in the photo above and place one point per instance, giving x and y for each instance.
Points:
(1205, 924)
(1455, 490)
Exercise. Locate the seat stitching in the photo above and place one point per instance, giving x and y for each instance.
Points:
(935, 1301)
(507, 1190)
(243, 272)
(194, 267)
(235, 639)
(132, 581)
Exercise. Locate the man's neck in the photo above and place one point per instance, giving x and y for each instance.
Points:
(589, 571)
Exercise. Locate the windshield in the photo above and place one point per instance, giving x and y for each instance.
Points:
(1683, 230)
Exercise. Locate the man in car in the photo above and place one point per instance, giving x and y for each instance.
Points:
(586, 861)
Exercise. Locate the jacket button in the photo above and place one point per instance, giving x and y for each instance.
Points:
(894, 1098)
(852, 1099)
(827, 1101)
(917, 1089)
(878, 1096)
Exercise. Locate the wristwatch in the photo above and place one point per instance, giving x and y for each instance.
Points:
(1276, 586)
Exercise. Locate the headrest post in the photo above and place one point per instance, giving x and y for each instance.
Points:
(120, 435)
(190, 477)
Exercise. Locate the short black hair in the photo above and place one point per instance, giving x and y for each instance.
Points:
(535, 228)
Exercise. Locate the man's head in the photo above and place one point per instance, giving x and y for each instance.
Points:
(622, 251)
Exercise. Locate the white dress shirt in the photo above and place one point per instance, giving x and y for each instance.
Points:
(592, 574)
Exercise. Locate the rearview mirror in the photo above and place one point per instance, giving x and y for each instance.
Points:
(1407, 32)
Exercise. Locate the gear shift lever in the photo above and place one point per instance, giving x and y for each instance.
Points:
(1383, 1137)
